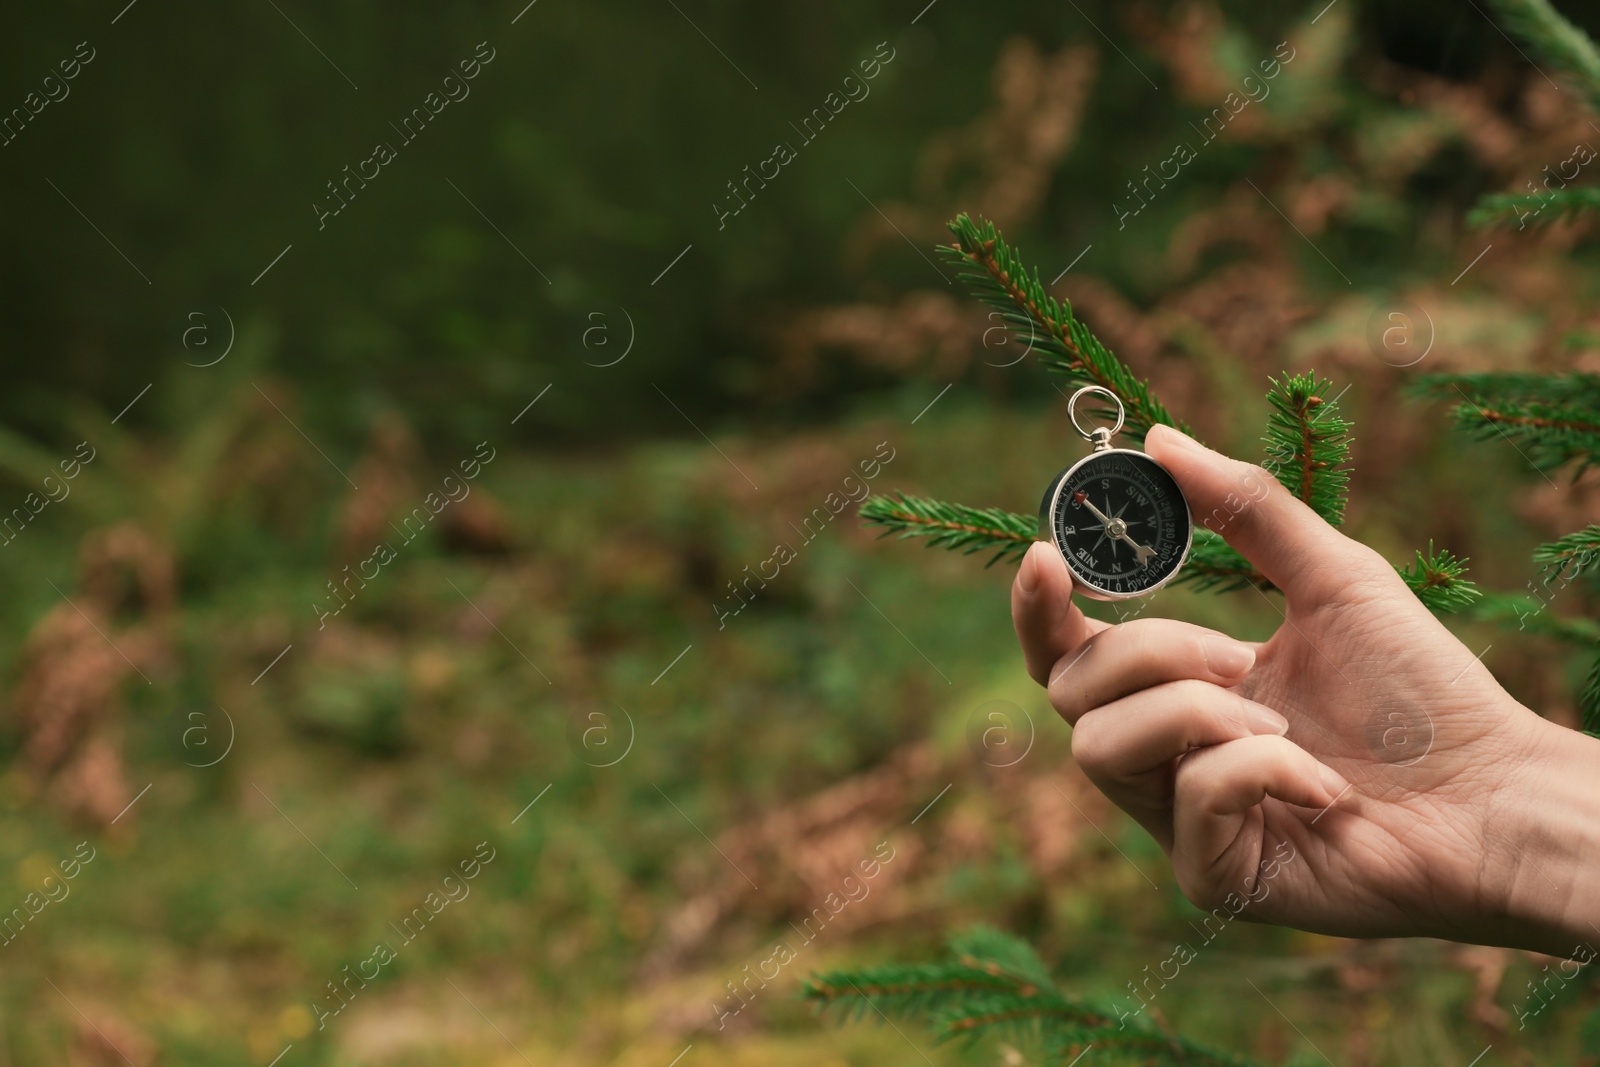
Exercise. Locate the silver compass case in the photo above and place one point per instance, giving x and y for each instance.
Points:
(1168, 513)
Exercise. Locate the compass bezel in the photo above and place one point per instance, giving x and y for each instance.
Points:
(1084, 585)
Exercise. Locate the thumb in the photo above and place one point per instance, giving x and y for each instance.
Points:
(1293, 546)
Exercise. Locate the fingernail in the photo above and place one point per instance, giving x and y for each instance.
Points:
(1227, 657)
(1028, 573)
(1264, 720)
(1332, 781)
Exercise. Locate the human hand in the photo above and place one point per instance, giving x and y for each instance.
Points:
(1360, 773)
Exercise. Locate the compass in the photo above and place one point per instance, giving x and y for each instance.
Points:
(1119, 519)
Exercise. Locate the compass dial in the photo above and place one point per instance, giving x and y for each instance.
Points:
(1120, 521)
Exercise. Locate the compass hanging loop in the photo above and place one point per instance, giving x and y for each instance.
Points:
(1101, 435)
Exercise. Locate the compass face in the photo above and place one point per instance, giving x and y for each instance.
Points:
(1121, 523)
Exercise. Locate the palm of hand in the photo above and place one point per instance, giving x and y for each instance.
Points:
(1375, 687)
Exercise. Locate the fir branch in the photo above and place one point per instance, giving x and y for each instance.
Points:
(1308, 444)
(1580, 389)
(999, 278)
(1499, 209)
(1551, 421)
(958, 527)
(996, 984)
(1215, 564)
(1567, 557)
(998, 954)
(901, 990)
(1530, 615)
(1438, 580)
(1015, 1016)
(1555, 43)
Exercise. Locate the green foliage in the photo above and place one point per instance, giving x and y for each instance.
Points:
(1307, 439)
(1521, 208)
(1589, 699)
(1529, 615)
(1308, 444)
(999, 278)
(1589, 1036)
(1437, 579)
(996, 984)
(953, 526)
(1214, 564)
(1567, 557)
(1555, 42)
(1549, 420)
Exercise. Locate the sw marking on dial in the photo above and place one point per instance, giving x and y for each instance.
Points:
(1120, 522)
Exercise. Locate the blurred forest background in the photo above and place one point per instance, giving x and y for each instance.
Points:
(269, 787)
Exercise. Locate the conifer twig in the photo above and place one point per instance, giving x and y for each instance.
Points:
(1308, 444)
(1551, 421)
(1307, 438)
(954, 526)
(1567, 557)
(1555, 42)
(996, 984)
(1502, 209)
(1213, 564)
(999, 278)
(1533, 616)
(1438, 578)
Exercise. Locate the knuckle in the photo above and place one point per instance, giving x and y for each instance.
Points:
(1140, 644)
(1195, 887)
(1070, 706)
(1209, 714)
(1039, 671)
(1232, 715)
(1189, 784)
(1071, 682)
(1191, 693)
(1200, 784)
(1089, 746)
(1067, 693)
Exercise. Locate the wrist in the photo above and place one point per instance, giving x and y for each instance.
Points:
(1546, 827)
